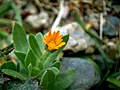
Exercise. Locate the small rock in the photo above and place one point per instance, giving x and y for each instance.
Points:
(78, 40)
(86, 76)
(89, 50)
(111, 49)
(38, 20)
(31, 8)
(111, 27)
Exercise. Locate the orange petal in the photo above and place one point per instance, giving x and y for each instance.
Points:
(58, 41)
(49, 33)
(58, 38)
(56, 34)
(60, 45)
(49, 37)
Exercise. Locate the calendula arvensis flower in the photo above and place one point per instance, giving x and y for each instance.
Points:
(53, 40)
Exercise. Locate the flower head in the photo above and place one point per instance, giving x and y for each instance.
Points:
(54, 40)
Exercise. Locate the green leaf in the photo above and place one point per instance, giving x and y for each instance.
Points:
(4, 8)
(31, 58)
(9, 65)
(55, 70)
(30, 69)
(114, 81)
(39, 37)
(20, 39)
(14, 74)
(35, 71)
(116, 74)
(66, 38)
(34, 46)
(64, 80)
(48, 80)
(21, 61)
(40, 66)
(45, 56)
(56, 64)
(20, 56)
(52, 57)
(38, 70)
(3, 34)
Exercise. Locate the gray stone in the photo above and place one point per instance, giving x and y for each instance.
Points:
(111, 27)
(86, 77)
(38, 20)
(78, 39)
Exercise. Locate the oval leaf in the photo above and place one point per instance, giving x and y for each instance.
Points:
(19, 38)
(34, 46)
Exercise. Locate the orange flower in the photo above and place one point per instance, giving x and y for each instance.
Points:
(53, 40)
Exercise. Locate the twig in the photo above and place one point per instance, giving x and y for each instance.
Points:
(58, 19)
(101, 19)
(104, 7)
(101, 25)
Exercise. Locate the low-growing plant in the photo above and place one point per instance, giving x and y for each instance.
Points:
(36, 59)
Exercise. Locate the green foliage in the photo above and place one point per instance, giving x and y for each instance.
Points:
(34, 46)
(9, 65)
(64, 80)
(33, 62)
(48, 80)
(56, 64)
(114, 81)
(17, 13)
(30, 58)
(39, 37)
(49, 60)
(4, 8)
(20, 39)
(14, 74)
